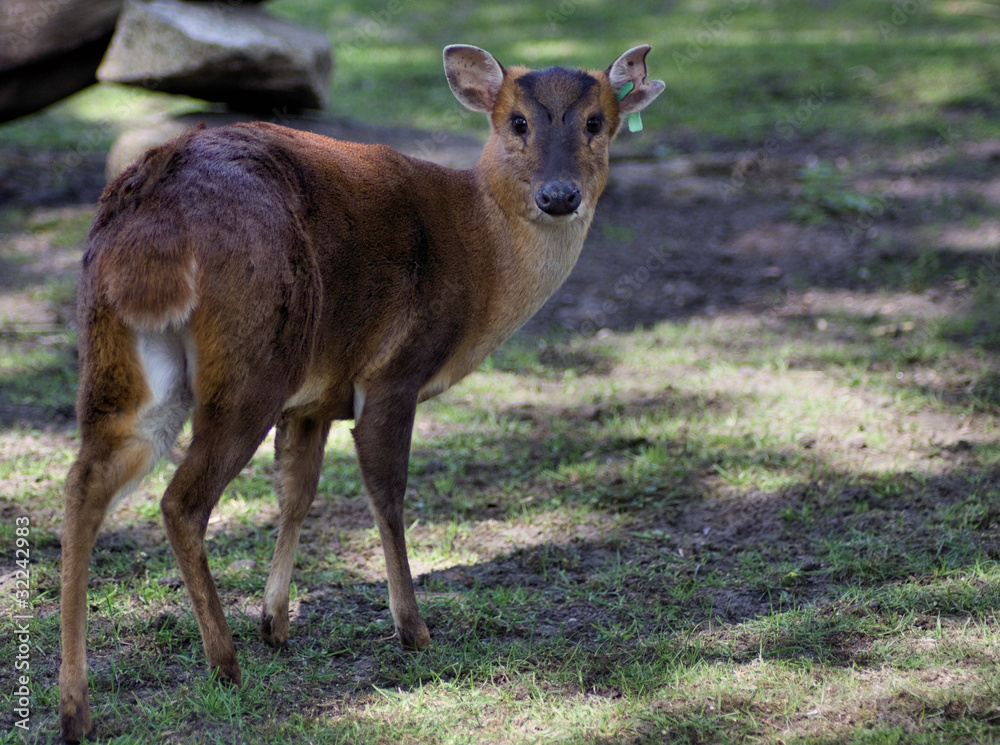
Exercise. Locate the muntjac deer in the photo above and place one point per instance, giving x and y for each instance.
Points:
(263, 277)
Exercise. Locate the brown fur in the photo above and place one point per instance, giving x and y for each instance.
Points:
(259, 276)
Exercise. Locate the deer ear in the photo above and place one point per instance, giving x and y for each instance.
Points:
(631, 68)
(474, 75)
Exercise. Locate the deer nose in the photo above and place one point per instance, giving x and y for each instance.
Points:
(558, 198)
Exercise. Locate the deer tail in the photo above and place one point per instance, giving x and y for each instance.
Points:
(140, 248)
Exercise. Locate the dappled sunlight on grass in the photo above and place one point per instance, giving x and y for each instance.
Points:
(754, 498)
(674, 530)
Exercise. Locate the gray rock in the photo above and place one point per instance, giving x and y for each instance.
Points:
(50, 50)
(234, 54)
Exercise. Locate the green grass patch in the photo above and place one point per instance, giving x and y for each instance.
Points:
(599, 556)
(38, 370)
(743, 71)
(775, 523)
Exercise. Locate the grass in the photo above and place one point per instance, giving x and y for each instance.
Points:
(736, 70)
(603, 556)
(735, 526)
(38, 370)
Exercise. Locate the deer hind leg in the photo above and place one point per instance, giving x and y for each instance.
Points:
(384, 426)
(104, 468)
(253, 334)
(299, 445)
(222, 443)
(129, 418)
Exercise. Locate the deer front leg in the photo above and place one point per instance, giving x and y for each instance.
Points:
(299, 447)
(384, 426)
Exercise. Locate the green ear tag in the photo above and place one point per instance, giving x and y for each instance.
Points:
(634, 120)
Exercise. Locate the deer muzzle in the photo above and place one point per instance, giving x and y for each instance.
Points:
(558, 198)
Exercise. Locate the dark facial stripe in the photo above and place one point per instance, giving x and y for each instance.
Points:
(556, 79)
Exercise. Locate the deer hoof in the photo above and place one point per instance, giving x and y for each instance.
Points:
(74, 704)
(228, 672)
(415, 639)
(273, 633)
(75, 720)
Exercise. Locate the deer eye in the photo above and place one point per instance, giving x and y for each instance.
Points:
(519, 124)
(594, 125)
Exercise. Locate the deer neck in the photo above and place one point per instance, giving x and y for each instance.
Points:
(528, 258)
(533, 252)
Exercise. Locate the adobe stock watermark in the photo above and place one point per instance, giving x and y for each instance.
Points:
(376, 24)
(625, 288)
(452, 122)
(225, 7)
(919, 334)
(560, 13)
(21, 694)
(714, 30)
(750, 162)
(901, 14)
(91, 140)
(919, 162)
(24, 21)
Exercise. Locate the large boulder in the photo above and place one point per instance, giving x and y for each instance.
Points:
(50, 50)
(226, 52)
